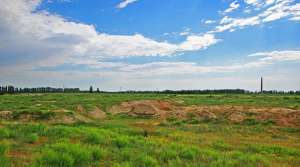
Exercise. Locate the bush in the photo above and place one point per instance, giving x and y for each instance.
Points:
(221, 145)
(164, 124)
(177, 123)
(171, 118)
(79, 153)
(54, 158)
(275, 136)
(34, 137)
(206, 120)
(4, 133)
(98, 153)
(5, 162)
(145, 160)
(237, 122)
(126, 155)
(121, 142)
(290, 130)
(195, 121)
(269, 122)
(187, 153)
(4, 148)
(94, 138)
(220, 120)
(249, 121)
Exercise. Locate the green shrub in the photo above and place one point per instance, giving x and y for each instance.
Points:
(249, 121)
(4, 133)
(269, 122)
(98, 153)
(80, 153)
(275, 136)
(237, 122)
(286, 98)
(55, 158)
(177, 123)
(187, 153)
(221, 145)
(94, 138)
(290, 130)
(4, 148)
(206, 120)
(164, 124)
(171, 118)
(121, 141)
(126, 155)
(5, 161)
(171, 154)
(195, 121)
(220, 120)
(34, 137)
(145, 161)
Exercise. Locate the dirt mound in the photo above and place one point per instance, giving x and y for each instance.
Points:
(237, 116)
(281, 121)
(280, 110)
(97, 113)
(144, 110)
(128, 106)
(294, 115)
(5, 114)
(204, 114)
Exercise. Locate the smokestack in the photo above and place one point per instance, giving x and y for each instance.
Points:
(261, 85)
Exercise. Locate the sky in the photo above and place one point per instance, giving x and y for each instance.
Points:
(150, 44)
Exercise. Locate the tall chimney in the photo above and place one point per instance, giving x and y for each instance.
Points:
(261, 85)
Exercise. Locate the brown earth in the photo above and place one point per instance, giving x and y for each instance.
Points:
(282, 116)
(162, 110)
(237, 116)
(205, 114)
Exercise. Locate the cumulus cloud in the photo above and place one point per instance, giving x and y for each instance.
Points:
(278, 56)
(280, 9)
(55, 40)
(247, 11)
(253, 2)
(125, 3)
(210, 21)
(233, 6)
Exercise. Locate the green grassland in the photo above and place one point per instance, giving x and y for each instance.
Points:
(122, 140)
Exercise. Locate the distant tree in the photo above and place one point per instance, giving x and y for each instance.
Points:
(98, 90)
(91, 89)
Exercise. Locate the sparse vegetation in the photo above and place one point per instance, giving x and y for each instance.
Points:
(30, 137)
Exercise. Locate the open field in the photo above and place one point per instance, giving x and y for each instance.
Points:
(86, 129)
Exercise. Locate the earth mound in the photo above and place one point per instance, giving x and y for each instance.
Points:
(144, 110)
(205, 114)
(237, 116)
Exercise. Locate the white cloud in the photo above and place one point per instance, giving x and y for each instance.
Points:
(233, 6)
(281, 9)
(253, 2)
(125, 3)
(195, 42)
(210, 21)
(278, 56)
(235, 22)
(295, 18)
(247, 11)
(269, 2)
(54, 40)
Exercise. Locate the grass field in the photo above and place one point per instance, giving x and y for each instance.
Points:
(123, 140)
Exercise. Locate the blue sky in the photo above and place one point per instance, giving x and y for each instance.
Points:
(150, 44)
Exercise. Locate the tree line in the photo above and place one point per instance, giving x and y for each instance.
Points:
(11, 89)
